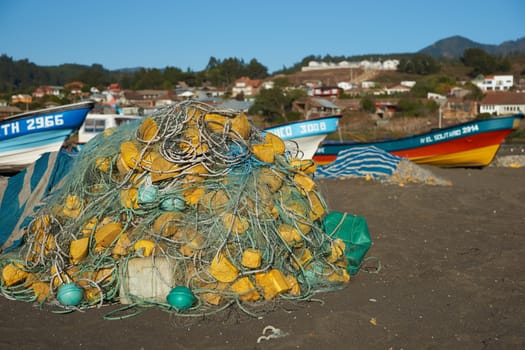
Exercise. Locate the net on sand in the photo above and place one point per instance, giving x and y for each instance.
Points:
(201, 198)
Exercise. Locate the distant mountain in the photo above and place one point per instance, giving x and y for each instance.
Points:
(454, 46)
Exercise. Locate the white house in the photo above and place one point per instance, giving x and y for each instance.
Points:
(494, 82)
(368, 84)
(503, 103)
(346, 85)
(246, 86)
(269, 84)
(397, 89)
(390, 64)
(408, 83)
(365, 64)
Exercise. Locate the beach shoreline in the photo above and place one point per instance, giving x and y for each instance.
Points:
(444, 271)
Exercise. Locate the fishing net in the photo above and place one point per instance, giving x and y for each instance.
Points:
(410, 172)
(191, 197)
(509, 161)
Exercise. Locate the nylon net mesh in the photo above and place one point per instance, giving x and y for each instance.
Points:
(190, 196)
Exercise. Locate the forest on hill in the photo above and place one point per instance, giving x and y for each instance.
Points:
(440, 59)
(23, 76)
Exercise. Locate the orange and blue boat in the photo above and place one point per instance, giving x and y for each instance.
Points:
(471, 144)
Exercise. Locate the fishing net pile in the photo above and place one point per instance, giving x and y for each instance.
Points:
(189, 197)
(409, 172)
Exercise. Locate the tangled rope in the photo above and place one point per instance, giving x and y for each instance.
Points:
(196, 196)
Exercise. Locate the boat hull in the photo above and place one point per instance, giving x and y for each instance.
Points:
(472, 144)
(304, 137)
(25, 137)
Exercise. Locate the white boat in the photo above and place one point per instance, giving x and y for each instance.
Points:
(25, 137)
(96, 123)
(304, 136)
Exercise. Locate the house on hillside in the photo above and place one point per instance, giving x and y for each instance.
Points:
(408, 83)
(21, 98)
(502, 103)
(114, 88)
(186, 95)
(75, 87)
(246, 87)
(268, 84)
(48, 91)
(397, 89)
(147, 98)
(494, 82)
(6, 111)
(458, 92)
(386, 108)
(438, 98)
(368, 84)
(316, 107)
(324, 91)
(346, 85)
(210, 92)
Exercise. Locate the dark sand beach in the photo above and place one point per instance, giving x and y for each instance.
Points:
(451, 263)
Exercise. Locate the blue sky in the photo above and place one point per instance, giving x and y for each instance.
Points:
(185, 34)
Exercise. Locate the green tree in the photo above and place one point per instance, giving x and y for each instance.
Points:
(410, 107)
(172, 75)
(213, 63)
(368, 104)
(270, 104)
(276, 104)
(255, 70)
(435, 83)
(231, 69)
(148, 79)
(95, 75)
(281, 82)
(480, 61)
(475, 92)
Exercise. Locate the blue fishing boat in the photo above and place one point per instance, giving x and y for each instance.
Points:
(25, 137)
(471, 144)
(304, 136)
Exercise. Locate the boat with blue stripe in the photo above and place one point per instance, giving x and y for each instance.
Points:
(303, 137)
(26, 136)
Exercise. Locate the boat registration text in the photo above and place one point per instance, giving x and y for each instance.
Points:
(289, 131)
(465, 130)
(31, 124)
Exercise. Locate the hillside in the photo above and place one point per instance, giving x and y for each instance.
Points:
(453, 47)
(330, 77)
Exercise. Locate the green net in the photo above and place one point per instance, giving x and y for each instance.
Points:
(190, 196)
(353, 231)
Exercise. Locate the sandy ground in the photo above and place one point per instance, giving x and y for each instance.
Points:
(451, 263)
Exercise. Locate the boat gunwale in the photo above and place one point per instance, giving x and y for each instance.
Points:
(72, 106)
(338, 116)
